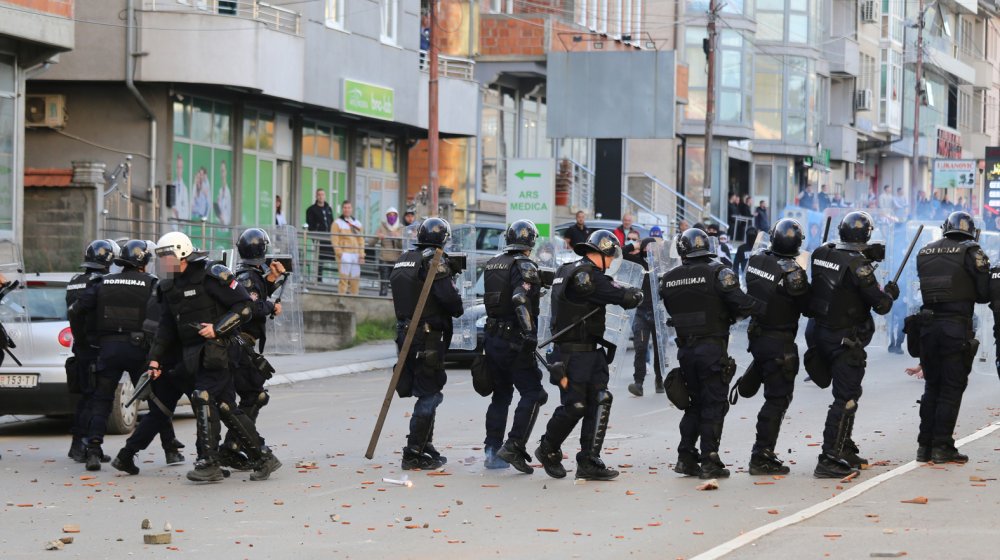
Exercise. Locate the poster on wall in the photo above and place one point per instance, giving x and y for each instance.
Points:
(954, 173)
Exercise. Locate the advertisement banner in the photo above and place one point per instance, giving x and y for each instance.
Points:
(992, 190)
(954, 173)
(531, 192)
(369, 100)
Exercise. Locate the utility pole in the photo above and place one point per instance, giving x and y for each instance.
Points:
(432, 109)
(915, 186)
(710, 100)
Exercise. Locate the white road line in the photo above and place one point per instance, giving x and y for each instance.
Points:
(812, 511)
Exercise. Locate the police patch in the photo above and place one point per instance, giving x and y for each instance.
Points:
(604, 244)
(728, 279)
(982, 261)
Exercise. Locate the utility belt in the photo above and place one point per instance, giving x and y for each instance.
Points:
(721, 340)
(609, 348)
(503, 328)
(756, 329)
(914, 325)
(138, 339)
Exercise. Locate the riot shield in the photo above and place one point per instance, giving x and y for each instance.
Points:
(286, 332)
(618, 321)
(463, 241)
(983, 320)
(14, 310)
(410, 236)
(661, 260)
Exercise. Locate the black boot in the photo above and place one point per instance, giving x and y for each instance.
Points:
(659, 384)
(417, 453)
(635, 389)
(687, 464)
(947, 454)
(206, 470)
(765, 462)
(551, 458)
(94, 457)
(267, 464)
(923, 453)
(231, 457)
(516, 456)
(492, 461)
(209, 428)
(589, 467)
(713, 467)
(850, 454)
(172, 452)
(832, 466)
(415, 460)
(125, 461)
(77, 450)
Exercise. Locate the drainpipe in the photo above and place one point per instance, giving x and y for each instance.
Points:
(130, 55)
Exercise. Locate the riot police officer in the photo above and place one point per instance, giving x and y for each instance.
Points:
(844, 293)
(513, 288)
(954, 275)
(703, 298)
(260, 280)
(119, 304)
(580, 292)
(423, 374)
(99, 256)
(778, 282)
(644, 325)
(204, 307)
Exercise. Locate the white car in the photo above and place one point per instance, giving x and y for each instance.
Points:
(39, 385)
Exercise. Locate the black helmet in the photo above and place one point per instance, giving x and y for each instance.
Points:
(100, 254)
(601, 241)
(252, 245)
(694, 243)
(786, 238)
(521, 236)
(433, 232)
(961, 224)
(856, 227)
(136, 253)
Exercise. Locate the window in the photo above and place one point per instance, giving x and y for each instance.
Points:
(774, 15)
(390, 20)
(602, 16)
(201, 165)
(499, 137)
(581, 14)
(890, 98)
(892, 20)
(8, 103)
(335, 13)
(964, 109)
(769, 98)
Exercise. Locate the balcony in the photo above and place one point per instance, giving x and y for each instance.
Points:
(274, 17)
(449, 66)
(843, 56)
(943, 55)
(842, 141)
(984, 74)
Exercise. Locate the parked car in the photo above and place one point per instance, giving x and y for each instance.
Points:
(39, 385)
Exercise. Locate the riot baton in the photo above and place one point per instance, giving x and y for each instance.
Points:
(826, 228)
(552, 338)
(139, 392)
(281, 290)
(411, 331)
(909, 250)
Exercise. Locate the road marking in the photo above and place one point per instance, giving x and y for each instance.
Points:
(812, 511)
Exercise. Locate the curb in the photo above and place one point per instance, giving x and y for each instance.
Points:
(321, 373)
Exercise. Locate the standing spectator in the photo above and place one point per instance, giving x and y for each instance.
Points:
(656, 232)
(390, 240)
(743, 251)
(814, 238)
(682, 226)
(733, 210)
(725, 249)
(761, 219)
(622, 231)
(578, 232)
(807, 199)
(824, 198)
(946, 207)
(885, 200)
(349, 245)
(408, 218)
(900, 206)
(935, 205)
(319, 217)
(746, 206)
(924, 210)
(279, 214)
(962, 205)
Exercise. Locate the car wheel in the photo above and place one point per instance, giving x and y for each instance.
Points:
(122, 419)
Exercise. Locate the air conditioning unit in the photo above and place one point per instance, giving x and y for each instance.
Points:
(863, 100)
(45, 111)
(869, 11)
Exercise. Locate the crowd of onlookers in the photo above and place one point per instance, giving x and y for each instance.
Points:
(890, 204)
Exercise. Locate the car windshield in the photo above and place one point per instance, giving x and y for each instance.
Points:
(47, 302)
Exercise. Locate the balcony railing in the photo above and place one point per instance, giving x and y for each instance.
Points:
(275, 17)
(449, 66)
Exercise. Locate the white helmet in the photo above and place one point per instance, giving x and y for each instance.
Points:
(175, 243)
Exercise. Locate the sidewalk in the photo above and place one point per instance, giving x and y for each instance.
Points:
(359, 359)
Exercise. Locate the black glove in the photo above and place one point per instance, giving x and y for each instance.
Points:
(891, 290)
(633, 297)
(529, 342)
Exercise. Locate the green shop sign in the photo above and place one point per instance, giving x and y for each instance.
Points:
(369, 100)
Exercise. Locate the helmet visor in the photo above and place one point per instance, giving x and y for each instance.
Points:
(168, 266)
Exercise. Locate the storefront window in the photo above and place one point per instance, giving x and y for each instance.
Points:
(7, 116)
(201, 168)
(499, 128)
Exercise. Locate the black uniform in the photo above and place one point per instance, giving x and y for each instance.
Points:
(644, 324)
(423, 374)
(780, 284)
(844, 293)
(954, 276)
(85, 353)
(578, 289)
(703, 298)
(118, 306)
(208, 293)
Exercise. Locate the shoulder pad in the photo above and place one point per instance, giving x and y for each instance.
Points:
(529, 270)
(443, 270)
(583, 284)
(980, 258)
(788, 265)
(94, 277)
(796, 281)
(427, 254)
(865, 273)
(727, 279)
(220, 272)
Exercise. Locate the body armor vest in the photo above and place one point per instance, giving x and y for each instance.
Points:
(692, 299)
(406, 285)
(566, 312)
(190, 304)
(497, 284)
(765, 272)
(943, 278)
(836, 302)
(76, 286)
(253, 281)
(121, 303)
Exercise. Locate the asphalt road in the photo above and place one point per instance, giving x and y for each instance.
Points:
(343, 509)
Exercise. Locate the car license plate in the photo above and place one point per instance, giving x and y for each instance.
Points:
(19, 380)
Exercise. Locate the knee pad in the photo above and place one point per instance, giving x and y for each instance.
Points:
(200, 398)
(604, 397)
(263, 398)
(541, 397)
(577, 409)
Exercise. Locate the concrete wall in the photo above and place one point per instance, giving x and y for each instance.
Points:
(364, 308)
(331, 320)
(56, 215)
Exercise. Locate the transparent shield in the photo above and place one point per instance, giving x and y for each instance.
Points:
(410, 236)
(761, 243)
(618, 321)
(14, 309)
(463, 241)
(661, 260)
(983, 319)
(286, 332)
